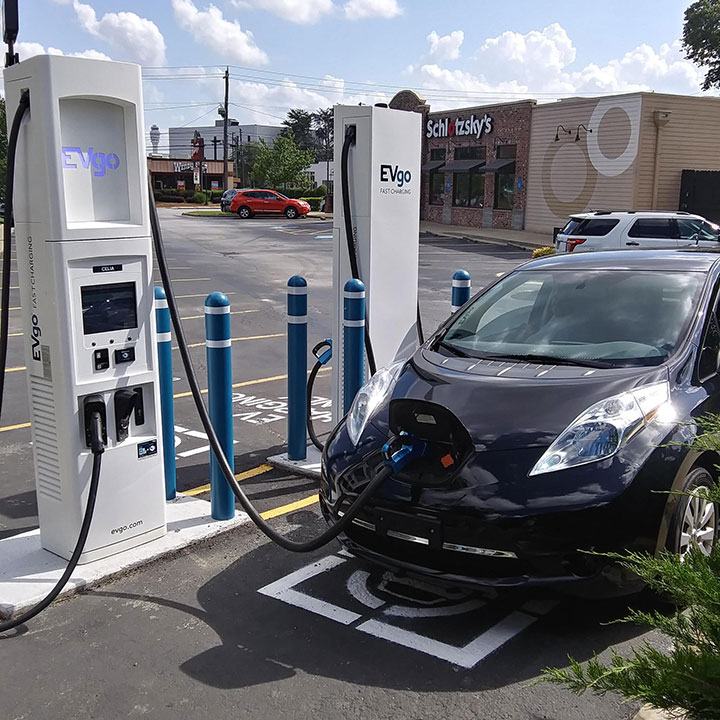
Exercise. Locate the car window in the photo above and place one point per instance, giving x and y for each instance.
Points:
(267, 195)
(708, 357)
(619, 317)
(255, 195)
(596, 227)
(655, 228)
(571, 226)
(689, 227)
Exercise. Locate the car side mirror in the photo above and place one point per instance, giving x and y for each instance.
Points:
(695, 237)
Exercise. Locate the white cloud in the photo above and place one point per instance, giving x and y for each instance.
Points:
(137, 39)
(446, 47)
(540, 63)
(27, 49)
(225, 37)
(297, 11)
(360, 9)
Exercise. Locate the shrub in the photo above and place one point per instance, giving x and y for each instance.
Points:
(320, 191)
(169, 198)
(313, 201)
(542, 251)
(198, 198)
(685, 680)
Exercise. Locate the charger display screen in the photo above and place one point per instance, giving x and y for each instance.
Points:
(108, 307)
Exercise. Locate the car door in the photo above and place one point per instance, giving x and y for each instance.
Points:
(650, 232)
(273, 202)
(256, 201)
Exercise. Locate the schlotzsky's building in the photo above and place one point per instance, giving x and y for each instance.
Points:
(523, 165)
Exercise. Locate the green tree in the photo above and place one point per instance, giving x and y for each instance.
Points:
(686, 679)
(324, 124)
(3, 142)
(701, 38)
(282, 164)
(299, 125)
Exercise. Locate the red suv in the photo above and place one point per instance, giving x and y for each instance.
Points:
(248, 202)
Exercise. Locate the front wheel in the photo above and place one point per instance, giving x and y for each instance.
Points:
(244, 212)
(291, 213)
(695, 519)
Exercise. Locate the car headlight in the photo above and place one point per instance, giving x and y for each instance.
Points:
(370, 397)
(601, 430)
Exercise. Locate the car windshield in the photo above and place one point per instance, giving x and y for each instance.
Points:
(603, 318)
(280, 195)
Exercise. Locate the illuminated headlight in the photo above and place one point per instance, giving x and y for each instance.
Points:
(601, 430)
(370, 397)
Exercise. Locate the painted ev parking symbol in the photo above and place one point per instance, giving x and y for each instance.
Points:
(447, 623)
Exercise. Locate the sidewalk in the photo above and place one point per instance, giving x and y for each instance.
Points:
(518, 238)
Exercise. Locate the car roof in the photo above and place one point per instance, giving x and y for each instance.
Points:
(690, 260)
(636, 213)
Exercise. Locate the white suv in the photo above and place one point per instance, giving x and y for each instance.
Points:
(629, 230)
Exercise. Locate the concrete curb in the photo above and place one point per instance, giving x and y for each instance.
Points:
(27, 572)
(648, 712)
(310, 467)
(485, 239)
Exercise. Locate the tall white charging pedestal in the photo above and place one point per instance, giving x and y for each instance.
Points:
(384, 192)
(84, 255)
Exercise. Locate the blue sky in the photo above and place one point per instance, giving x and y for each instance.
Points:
(455, 52)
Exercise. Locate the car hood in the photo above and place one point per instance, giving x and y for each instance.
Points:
(510, 405)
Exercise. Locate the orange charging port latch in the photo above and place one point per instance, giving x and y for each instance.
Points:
(447, 460)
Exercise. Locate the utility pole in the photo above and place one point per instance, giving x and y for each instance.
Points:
(225, 130)
(215, 142)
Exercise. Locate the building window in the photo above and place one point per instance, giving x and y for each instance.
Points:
(437, 178)
(469, 187)
(504, 181)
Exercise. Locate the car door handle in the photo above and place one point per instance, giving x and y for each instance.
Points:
(632, 243)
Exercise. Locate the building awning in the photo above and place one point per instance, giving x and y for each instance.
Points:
(463, 165)
(501, 165)
(432, 165)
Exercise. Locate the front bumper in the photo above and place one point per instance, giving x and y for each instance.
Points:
(492, 526)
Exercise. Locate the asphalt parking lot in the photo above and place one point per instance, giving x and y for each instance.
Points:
(238, 627)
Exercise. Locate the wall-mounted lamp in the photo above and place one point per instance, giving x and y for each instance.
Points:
(577, 131)
(557, 132)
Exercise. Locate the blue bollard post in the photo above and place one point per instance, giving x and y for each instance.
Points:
(219, 368)
(297, 367)
(167, 408)
(353, 341)
(461, 284)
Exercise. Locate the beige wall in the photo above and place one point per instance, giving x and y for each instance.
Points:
(597, 172)
(689, 141)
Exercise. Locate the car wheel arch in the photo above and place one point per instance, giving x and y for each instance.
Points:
(706, 459)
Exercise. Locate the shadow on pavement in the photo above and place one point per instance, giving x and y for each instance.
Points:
(264, 640)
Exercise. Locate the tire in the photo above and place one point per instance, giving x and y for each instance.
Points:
(694, 521)
(244, 212)
(291, 213)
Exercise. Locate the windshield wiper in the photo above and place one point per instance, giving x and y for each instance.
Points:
(548, 359)
(454, 350)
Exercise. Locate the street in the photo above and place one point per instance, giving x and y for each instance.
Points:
(237, 627)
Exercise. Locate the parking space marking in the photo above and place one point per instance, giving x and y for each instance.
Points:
(184, 297)
(235, 312)
(290, 507)
(237, 339)
(190, 279)
(466, 656)
(253, 472)
(19, 426)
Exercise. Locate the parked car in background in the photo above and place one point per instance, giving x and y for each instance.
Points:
(226, 199)
(247, 203)
(546, 418)
(630, 230)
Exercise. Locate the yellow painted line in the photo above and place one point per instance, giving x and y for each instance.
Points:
(236, 312)
(285, 509)
(177, 396)
(251, 337)
(181, 297)
(15, 369)
(259, 470)
(19, 426)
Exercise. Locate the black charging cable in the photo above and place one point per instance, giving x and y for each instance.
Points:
(331, 532)
(97, 447)
(22, 108)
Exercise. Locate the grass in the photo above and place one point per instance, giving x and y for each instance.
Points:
(208, 213)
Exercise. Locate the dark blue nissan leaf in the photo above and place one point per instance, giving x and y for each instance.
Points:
(546, 418)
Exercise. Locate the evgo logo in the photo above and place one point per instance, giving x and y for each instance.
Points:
(392, 173)
(98, 162)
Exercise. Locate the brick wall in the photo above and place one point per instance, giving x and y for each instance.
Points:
(511, 125)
